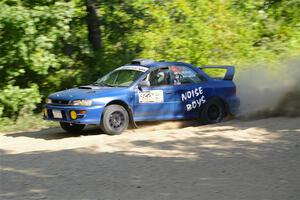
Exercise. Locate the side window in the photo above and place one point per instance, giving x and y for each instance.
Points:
(161, 76)
(185, 75)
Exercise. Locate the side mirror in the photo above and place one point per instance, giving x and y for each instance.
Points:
(143, 84)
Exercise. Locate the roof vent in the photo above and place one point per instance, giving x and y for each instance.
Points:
(141, 61)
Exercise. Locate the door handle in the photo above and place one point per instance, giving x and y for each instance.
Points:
(168, 92)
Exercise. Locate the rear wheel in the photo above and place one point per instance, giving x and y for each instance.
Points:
(115, 120)
(213, 112)
(72, 128)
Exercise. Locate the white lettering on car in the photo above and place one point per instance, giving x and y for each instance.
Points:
(191, 94)
(195, 104)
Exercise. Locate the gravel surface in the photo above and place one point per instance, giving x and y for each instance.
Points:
(234, 160)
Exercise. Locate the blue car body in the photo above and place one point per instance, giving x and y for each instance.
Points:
(148, 103)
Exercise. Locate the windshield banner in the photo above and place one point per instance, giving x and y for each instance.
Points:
(137, 68)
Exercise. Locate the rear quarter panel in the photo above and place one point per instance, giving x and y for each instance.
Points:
(226, 91)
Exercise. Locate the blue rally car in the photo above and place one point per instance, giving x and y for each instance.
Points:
(145, 90)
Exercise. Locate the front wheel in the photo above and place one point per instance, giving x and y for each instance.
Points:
(115, 120)
(72, 128)
(213, 112)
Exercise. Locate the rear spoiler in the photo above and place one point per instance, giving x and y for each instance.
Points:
(230, 70)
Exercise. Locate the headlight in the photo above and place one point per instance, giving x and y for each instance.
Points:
(81, 102)
(48, 101)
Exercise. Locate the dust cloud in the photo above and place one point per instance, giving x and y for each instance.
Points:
(269, 92)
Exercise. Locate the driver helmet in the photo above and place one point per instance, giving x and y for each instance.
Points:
(160, 77)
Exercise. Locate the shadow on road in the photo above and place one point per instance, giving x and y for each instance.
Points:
(56, 133)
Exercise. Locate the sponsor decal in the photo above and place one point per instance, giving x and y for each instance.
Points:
(137, 68)
(198, 98)
(151, 96)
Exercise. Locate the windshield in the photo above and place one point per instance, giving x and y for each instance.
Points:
(119, 78)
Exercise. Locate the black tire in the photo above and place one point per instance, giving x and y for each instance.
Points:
(115, 120)
(213, 112)
(72, 128)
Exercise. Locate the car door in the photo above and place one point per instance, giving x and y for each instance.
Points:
(191, 91)
(155, 102)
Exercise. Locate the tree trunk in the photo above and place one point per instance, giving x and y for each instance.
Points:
(93, 23)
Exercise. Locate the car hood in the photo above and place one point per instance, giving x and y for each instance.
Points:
(85, 92)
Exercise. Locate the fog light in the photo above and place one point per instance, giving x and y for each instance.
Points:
(45, 113)
(73, 114)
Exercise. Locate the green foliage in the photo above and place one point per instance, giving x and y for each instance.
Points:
(220, 32)
(24, 122)
(29, 39)
(44, 45)
(34, 40)
(15, 101)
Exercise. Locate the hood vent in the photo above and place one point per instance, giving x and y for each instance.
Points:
(86, 87)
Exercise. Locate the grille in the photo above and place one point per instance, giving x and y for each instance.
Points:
(60, 102)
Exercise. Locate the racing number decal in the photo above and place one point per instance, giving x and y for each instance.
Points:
(197, 94)
(152, 96)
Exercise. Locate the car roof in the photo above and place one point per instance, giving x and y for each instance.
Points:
(153, 64)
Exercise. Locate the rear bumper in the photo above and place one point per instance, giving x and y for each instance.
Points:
(92, 116)
(233, 105)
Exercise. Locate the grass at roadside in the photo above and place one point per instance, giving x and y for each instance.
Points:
(24, 123)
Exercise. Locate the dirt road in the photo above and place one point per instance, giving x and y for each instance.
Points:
(232, 160)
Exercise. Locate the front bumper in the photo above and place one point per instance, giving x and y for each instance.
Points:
(91, 116)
